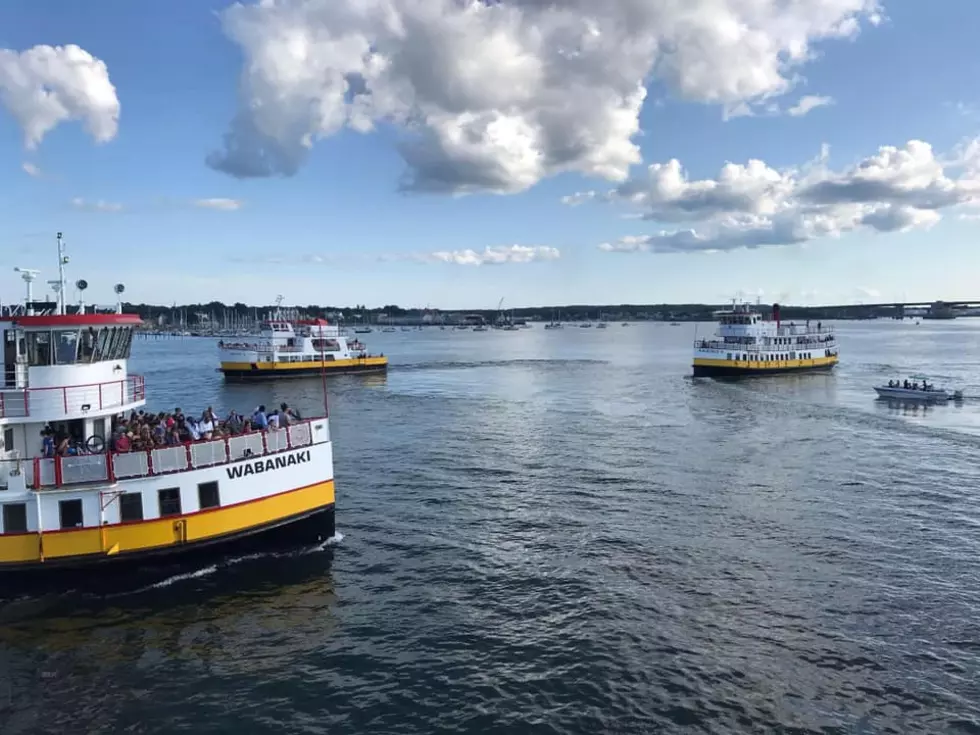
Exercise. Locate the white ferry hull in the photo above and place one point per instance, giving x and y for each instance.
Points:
(925, 396)
(280, 487)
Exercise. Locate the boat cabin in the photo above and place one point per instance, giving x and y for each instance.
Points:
(66, 373)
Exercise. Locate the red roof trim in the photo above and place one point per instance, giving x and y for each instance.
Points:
(76, 320)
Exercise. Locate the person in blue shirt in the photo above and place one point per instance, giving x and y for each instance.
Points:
(259, 419)
(47, 443)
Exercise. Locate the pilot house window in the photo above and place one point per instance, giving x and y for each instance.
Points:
(38, 348)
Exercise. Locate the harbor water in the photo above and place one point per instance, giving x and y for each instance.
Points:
(561, 532)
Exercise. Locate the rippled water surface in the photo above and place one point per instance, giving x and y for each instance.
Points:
(560, 532)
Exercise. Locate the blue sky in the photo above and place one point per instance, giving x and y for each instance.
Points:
(334, 223)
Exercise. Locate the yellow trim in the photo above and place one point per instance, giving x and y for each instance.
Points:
(328, 365)
(157, 533)
(771, 365)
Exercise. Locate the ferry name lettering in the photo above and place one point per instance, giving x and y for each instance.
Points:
(267, 464)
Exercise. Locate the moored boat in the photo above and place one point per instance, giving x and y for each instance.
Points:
(746, 343)
(78, 489)
(289, 349)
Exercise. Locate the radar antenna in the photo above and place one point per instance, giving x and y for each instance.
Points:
(29, 274)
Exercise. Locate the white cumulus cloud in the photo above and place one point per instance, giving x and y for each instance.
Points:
(495, 96)
(807, 103)
(494, 255)
(96, 206)
(226, 205)
(753, 205)
(31, 169)
(48, 85)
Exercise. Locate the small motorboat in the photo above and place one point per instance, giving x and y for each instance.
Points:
(917, 388)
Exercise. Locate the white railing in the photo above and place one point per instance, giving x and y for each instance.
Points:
(86, 468)
(71, 399)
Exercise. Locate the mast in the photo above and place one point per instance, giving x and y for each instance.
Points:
(60, 285)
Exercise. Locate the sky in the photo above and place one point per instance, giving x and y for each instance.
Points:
(452, 153)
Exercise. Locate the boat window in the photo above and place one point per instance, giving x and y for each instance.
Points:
(125, 343)
(169, 501)
(131, 507)
(15, 518)
(86, 344)
(71, 513)
(65, 346)
(326, 345)
(121, 343)
(111, 343)
(101, 347)
(38, 348)
(207, 494)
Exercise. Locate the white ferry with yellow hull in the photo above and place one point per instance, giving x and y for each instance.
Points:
(291, 349)
(746, 344)
(89, 501)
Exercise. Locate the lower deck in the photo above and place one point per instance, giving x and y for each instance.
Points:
(714, 367)
(153, 505)
(277, 370)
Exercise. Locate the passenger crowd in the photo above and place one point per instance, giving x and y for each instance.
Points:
(143, 431)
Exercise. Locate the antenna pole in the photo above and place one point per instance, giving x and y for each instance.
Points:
(61, 274)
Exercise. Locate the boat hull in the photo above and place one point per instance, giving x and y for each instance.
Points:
(246, 372)
(914, 395)
(304, 529)
(732, 371)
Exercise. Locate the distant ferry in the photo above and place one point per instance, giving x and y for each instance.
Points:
(746, 343)
(286, 349)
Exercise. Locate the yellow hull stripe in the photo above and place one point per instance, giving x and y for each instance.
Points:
(307, 365)
(158, 533)
(771, 365)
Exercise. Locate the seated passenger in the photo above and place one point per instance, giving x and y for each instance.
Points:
(274, 419)
(205, 427)
(291, 414)
(259, 419)
(234, 423)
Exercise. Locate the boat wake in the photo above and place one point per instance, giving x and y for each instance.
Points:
(468, 365)
(235, 560)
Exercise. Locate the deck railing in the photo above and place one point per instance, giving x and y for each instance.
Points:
(826, 342)
(47, 472)
(54, 401)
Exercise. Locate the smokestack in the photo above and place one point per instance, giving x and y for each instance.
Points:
(775, 314)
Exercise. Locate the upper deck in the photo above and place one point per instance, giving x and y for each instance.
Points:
(291, 339)
(63, 366)
(746, 329)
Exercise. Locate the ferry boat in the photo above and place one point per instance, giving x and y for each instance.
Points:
(746, 343)
(287, 349)
(79, 501)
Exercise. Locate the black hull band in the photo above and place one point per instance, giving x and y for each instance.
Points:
(717, 371)
(260, 375)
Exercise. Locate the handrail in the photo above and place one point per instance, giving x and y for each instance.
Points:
(48, 472)
(717, 344)
(17, 402)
